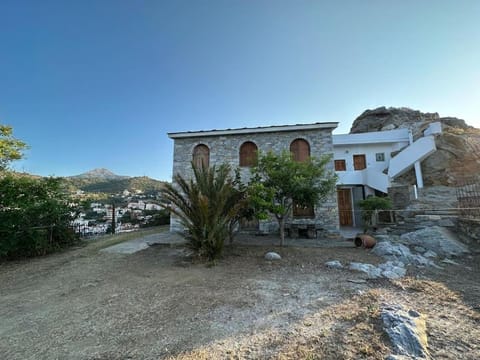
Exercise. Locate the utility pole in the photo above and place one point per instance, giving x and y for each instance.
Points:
(113, 218)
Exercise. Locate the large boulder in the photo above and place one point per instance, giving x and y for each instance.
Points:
(457, 159)
(437, 239)
(387, 248)
(400, 253)
(407, 332)
(383, 118)
(389, 269)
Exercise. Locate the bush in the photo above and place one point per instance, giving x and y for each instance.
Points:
(35, 217)
(159, 217)
(369, 207)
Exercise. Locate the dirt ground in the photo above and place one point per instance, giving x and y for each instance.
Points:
(154, 304)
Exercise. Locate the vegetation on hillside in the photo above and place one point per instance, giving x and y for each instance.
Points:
(35, 213)
(112, 186)
(35, 216)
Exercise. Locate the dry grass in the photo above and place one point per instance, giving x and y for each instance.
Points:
(157, 304)
(428, 288)
(349, 330)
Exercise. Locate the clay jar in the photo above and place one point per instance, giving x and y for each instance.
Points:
(365, 240)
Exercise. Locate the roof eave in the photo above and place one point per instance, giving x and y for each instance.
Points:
(268, 129)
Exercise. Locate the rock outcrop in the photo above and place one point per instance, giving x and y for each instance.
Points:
(407, 331)
(457, 159)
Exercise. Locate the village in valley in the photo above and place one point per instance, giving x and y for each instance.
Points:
(110, 203)
(128, 212)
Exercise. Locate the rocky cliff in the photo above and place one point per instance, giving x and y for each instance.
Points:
(457, 159)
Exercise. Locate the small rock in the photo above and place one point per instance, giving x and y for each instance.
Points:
(419, 249)
(392, 269)
(430, 254)
(449, 261)
(372, 271)
(334, 264)
(419, 260)
(357, 281)
(381, 237)
(389, 127)
(272, 256)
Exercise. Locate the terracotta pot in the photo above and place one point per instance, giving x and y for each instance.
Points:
(365, 240)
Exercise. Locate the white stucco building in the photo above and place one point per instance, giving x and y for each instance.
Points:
(368, 163)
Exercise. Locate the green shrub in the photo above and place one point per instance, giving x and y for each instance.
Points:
(159, 217)
(35, 216)
(369, 207)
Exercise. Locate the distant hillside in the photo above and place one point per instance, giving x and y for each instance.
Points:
(105, 181)
(97, 174)
(143, 183)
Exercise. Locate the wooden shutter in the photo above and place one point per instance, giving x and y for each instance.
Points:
(340, 165)
(201, 156)
(359, 162)
(300, 150)
(248, 154)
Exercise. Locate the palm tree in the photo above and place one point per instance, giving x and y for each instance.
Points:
(207, 206)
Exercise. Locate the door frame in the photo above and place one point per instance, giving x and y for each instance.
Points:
(352, 214)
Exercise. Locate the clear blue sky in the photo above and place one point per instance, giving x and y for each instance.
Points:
(91, 83)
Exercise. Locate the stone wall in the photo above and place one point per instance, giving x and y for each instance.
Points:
(469, 230)
(435, 206)
(226, 149)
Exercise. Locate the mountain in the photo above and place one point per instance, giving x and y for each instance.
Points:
(457, 159)
(104, 181)
(100, 173)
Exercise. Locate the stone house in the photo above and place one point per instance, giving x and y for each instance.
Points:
(237, 147)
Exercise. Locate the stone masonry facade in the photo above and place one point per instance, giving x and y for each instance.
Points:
(225, 148)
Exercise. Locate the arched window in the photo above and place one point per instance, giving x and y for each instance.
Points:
(300, 150)
(248, 154)
(201, 156)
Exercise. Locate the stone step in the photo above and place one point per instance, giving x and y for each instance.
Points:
(442, 212)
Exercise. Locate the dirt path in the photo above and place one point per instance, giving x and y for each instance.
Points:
(158, 304)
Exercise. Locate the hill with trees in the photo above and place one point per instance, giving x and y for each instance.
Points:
(105, 181)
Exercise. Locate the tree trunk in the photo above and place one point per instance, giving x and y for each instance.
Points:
(281, 223)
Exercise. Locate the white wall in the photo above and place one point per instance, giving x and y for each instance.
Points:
(346, 152)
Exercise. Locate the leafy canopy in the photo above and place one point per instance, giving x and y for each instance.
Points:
(10, 148)
(278, 182)
(35, 216)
